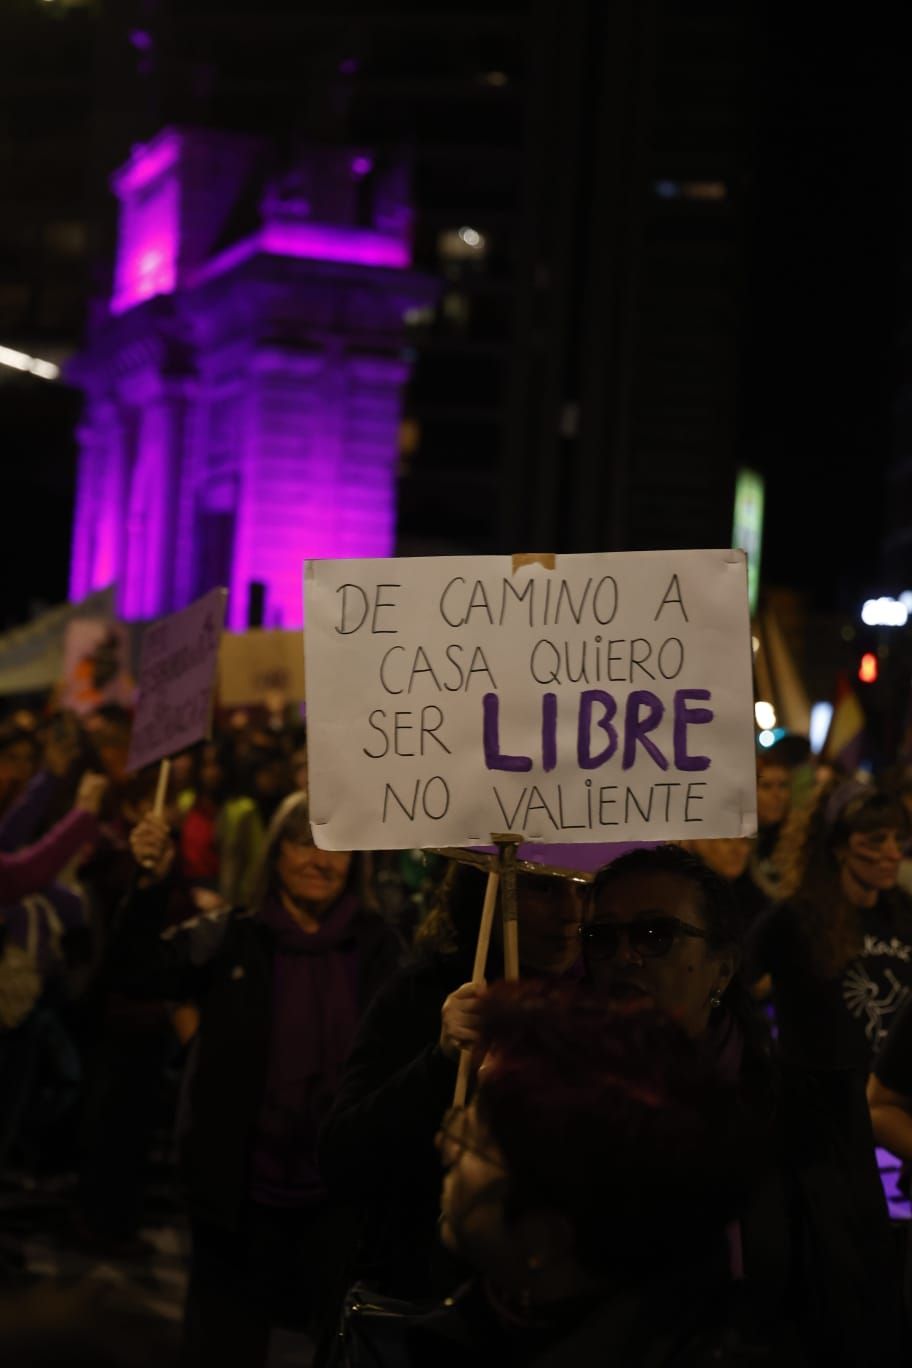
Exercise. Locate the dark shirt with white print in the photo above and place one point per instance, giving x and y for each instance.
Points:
(839, 1021)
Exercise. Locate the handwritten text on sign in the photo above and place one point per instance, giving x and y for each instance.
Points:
(450, 697)
(176, 677)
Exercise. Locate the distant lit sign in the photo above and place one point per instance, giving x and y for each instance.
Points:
(867, 670)
(887, 612)
(747, 531)
(821, 718)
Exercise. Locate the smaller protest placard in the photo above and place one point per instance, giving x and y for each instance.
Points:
(96, 669)
(257, 663)
(176, 678)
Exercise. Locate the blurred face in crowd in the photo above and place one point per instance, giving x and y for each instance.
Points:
(17, 765)
(774, 794)
(210, 772)
(869, 863)
(550, 910)
(310, 878)
(299, 769)
(647, 939)
(182, 771)
(270, 778)
(727, 856)
(112, 744)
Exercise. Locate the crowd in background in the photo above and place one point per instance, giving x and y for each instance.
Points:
(668, 1154)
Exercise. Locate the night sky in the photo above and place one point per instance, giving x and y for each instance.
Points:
(826, 295)
(825, 300)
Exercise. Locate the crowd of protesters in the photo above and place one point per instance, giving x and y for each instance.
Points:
(668, 1155)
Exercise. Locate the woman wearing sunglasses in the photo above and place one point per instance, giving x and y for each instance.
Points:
(664, 928)
(587, 1189)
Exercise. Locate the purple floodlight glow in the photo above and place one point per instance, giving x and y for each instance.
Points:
(147, 162)
(313, 242)
(187, 479)
(349, 66)
(149, 223)
(332, 242)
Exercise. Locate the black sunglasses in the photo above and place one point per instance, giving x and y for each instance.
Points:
(649, 937)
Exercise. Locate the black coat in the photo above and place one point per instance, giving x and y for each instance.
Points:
(377, 1144)
(223, 961)
(814, 1233)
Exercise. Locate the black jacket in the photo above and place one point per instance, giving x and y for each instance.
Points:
(814, 1234)
(378, 1141)
(223, 961)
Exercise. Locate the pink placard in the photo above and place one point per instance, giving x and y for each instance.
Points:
(176, 679)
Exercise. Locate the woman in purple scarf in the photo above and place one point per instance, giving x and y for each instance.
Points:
(281, 986)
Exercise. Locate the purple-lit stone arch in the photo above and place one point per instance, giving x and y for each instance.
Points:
(243, 398)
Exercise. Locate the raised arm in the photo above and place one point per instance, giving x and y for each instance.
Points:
(30, 870)
(145, 959)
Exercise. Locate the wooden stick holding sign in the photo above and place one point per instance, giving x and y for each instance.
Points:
(161, 789)
(507, 846)
(478, 977)
(499, 877)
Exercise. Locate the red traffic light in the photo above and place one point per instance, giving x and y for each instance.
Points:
(867, 670)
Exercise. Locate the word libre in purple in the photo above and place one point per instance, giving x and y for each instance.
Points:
(643, 713)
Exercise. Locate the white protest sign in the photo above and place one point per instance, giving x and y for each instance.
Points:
(176, 676)
(607, 698)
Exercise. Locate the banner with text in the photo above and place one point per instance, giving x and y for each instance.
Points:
(609, 697)
(176, 677)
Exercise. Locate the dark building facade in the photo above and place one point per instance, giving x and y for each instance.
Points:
(580, 174)
(580, 190)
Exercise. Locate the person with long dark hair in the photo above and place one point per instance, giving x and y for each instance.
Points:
(839, 945)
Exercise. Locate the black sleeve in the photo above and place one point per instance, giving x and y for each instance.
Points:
(764, 941)
(147, 961)
(893, 1066)
(396, 1086)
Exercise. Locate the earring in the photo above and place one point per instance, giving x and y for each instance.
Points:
(715, 998)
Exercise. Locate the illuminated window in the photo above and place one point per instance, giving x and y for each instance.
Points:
(868, 670)
(66, 239)
(418, 317)
(456, 309)
(465, 244)
(690, 190)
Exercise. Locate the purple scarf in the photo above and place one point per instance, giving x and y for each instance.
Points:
(314, 1018)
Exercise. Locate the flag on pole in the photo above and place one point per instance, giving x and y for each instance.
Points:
(846, 738)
